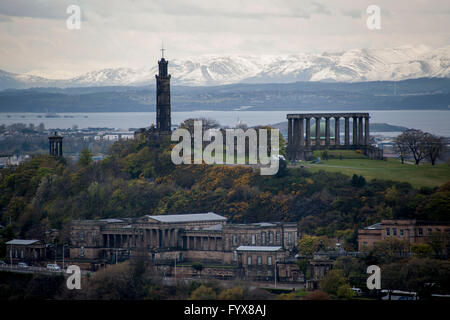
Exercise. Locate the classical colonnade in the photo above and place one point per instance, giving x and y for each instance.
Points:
(55, 145)
(299, 131)
(148, 237)
(202, 242)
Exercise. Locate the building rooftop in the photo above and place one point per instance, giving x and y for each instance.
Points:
(376, 226)
(194, 217)
(258, 248)
(21, 242)
(111, 220)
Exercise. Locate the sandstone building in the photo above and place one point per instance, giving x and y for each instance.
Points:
(255, 248)
(414, 231)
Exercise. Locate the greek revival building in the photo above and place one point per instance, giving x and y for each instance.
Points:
(203, 237)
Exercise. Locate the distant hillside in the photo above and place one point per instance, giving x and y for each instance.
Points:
(426, 93)
(356, 65)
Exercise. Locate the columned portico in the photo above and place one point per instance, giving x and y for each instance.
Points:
(299, 133)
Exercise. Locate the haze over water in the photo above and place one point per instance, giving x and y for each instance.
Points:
(433, 121)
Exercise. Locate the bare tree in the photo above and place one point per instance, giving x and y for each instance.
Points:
(432, 147)
(401, 147)
(206, 124)
(413, 139)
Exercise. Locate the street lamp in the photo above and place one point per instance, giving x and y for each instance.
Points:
(275, 273)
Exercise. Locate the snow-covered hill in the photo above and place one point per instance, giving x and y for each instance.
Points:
(406, 62)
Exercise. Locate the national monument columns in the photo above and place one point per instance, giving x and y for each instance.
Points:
(301, 146)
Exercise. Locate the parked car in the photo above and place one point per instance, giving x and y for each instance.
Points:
(2, 263)
(22, 265)
(357, 291)
(53, 267)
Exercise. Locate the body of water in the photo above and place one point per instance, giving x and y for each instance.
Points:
(433, 121)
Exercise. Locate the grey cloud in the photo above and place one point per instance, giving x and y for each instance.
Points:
(45, 9)
(353, 13)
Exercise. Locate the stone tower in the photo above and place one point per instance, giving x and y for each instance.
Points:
(163, 121)
(55, 145)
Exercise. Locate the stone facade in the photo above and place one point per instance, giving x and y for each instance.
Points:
(29, 251)
(414, 231)
(205, 237)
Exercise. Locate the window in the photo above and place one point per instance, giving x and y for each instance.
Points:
(21, 254)
(401, 232)
(269, 260)
(234, 239)
(420, 231)
(429, 231)
(394, 231)
(364, 243)
(253, 239)
(249, 260)
(388, 231)
(82, 235)
(277, 237)
(82, 252)
(259, 260)
(270, 237)
(438, 230)
(263, 238)
(289, 237)
(235, 256)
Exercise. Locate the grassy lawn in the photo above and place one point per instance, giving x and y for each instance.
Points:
(422, 175)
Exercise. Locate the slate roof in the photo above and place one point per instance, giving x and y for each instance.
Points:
(258, 248)
(21, 242)
(195, 217)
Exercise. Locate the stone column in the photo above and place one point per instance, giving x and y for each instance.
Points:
(295, 135)
(337, 131)
(347, 131)
(301, 133)
(360, 131)
(367, 131)
(355, 130)
(308, 132)
(317, 131)
(327, 131)
(290, 142)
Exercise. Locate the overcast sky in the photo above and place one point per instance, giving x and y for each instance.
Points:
(34, 38)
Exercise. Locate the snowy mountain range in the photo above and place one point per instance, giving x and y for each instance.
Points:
(392, 64)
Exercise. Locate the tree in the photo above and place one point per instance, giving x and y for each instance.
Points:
(422, 250)
(236, 293)
(332, 282)
(358, 181)
(307, 245)
(401, 147)
(85, 157)
(345, 292)
(412, 139)
(390, 249)
(203, 293)
(432, 147)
